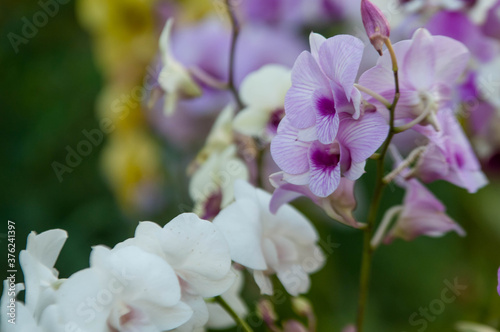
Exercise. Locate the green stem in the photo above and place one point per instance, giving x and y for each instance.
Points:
(234, 37)
(366, 259)
(233, 314)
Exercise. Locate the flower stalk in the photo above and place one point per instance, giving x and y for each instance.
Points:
(384, 225)
(414, 122)
(233, 314)
(235, 31)
(367, 255)
(414, 155)
(206, 78)
(375, 95)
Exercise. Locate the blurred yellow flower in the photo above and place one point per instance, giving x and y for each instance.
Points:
(125, 42)
(130, 160)
(123, 31)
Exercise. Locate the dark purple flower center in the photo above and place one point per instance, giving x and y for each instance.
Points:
(274, 120)
(459, 159)
(325, 106)
(494, 162)
(325, 157)
(212, 206)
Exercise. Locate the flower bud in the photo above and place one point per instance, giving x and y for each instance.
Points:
(301, 306)
(376, 25)
(349, 328)
(293, 326)
(265, 310)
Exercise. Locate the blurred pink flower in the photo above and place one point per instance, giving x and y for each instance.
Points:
(421, 214)
(449, 156)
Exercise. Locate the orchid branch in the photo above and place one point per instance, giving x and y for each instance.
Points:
(394, 62)
(366, 260)
(384, 224)
(206, 78)
(372, 93)
(234, 37)
(414, 155)
(414, 122)
(233, 314)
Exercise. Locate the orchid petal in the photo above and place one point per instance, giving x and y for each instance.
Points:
(255, 89)
(264, 282)
(364, 136)
(306, 78)
(419, 64)
(251, 121)
(451, 59)
(197, 251)
(289, 153)
(315, 41)
(243, 234)
(324, 182)
(340, 57)
(327, 119)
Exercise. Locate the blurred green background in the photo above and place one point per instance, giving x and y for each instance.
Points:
(47, 97)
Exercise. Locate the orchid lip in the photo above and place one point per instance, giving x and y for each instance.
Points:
(326, 107)
(325, 156)
(274, 121)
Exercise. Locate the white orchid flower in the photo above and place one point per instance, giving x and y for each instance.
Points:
(284, 243)
(174, 78)
(125, 289)
(263, 92)
(218, 166)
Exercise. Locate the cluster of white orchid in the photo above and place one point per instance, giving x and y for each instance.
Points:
(167, 278)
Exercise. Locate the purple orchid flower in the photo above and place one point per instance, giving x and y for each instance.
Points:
(323, 85)
(305, 160)
(293, 14)
(482, 113)
(449, 156)
(457, 25)
(274, 12)
(491, 26)
(421, 214)
(326, 132)
(204, 47)
(428, 66)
